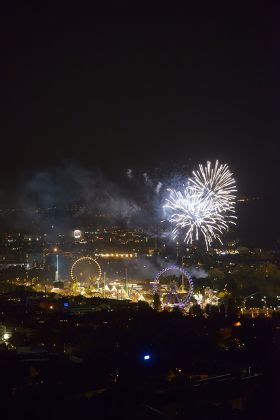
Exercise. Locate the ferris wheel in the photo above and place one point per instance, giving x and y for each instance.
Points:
(86, 271)
(174, 285)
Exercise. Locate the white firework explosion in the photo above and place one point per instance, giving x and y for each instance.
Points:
(218, 183)
(206, 205)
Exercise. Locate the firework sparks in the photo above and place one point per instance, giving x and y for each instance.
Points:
(218, 183)
(205, 206)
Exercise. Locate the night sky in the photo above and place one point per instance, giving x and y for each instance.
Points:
(116, 88)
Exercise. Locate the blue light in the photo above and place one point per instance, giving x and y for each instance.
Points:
(65, 304)
(147, 357)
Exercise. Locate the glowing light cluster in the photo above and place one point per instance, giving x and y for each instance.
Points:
(77, 274)
(206, 206)
(116, 255)
(183, 300)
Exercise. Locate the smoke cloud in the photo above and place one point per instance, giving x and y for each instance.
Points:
(198, 273)
(70, 196)
(148, 267)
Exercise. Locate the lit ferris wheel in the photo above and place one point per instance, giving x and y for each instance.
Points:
(174, 285)
(86, 271)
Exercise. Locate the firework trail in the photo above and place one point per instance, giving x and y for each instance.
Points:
(129, 173)
(158, 187)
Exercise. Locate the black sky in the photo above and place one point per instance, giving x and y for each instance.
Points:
(120, 88)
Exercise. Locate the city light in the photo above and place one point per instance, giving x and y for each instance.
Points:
(116, 255)
(147, 357)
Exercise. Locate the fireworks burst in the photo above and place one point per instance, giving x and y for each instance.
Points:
(216, 183)
(205, 207)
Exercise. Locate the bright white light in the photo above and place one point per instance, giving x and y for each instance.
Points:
(205, 206)
(77, 234)
(6, 336)
(147, 357)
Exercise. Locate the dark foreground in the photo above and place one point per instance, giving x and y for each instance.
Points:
(127, 361)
